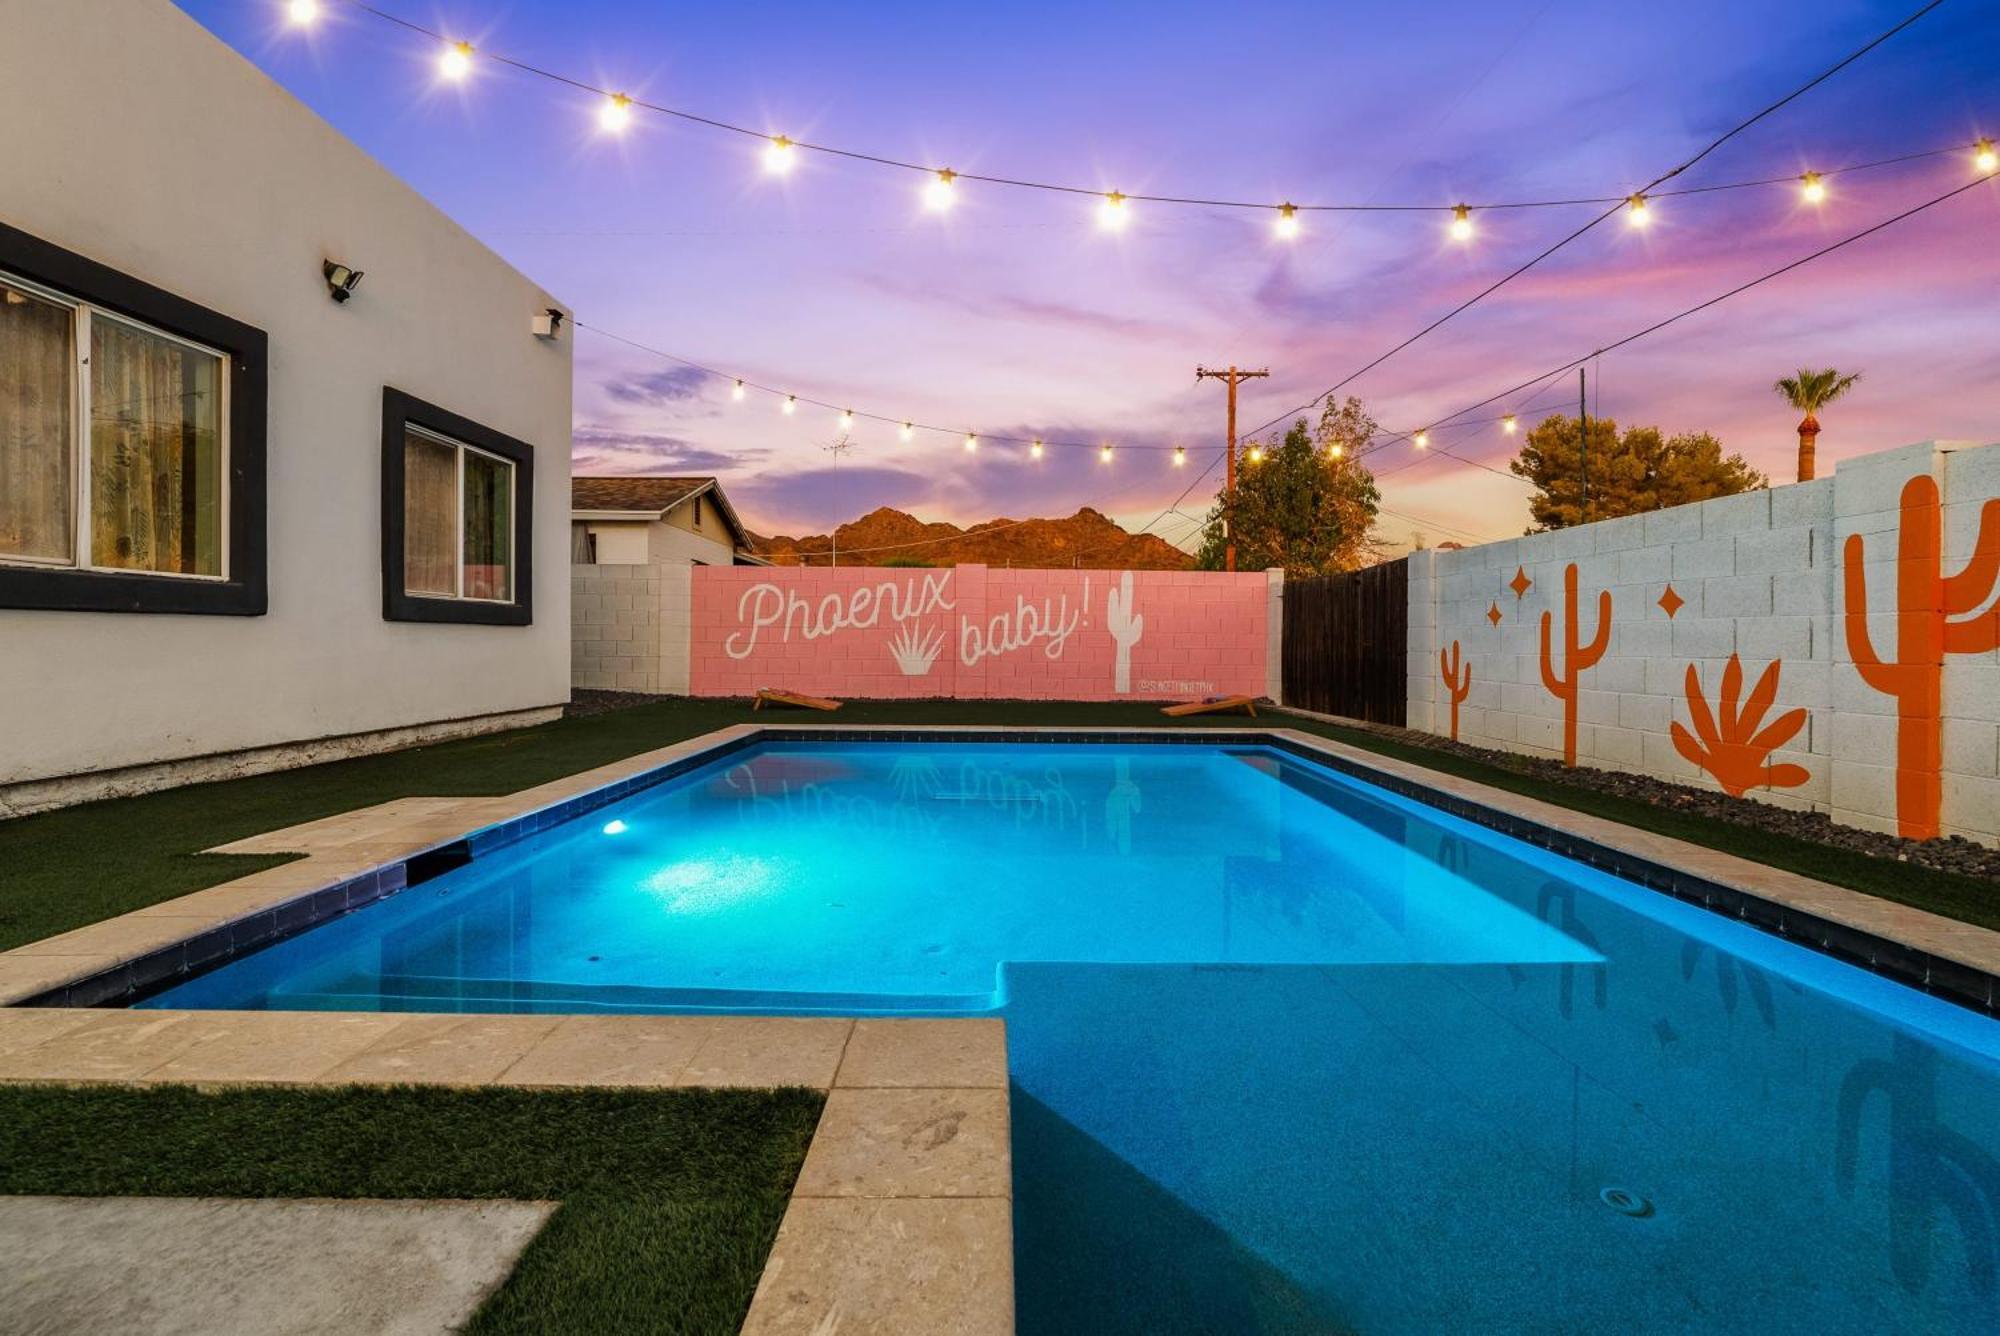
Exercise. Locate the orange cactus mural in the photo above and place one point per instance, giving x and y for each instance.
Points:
(1733, 748)
(1926, 598)
(1455, 684)
(1576, 658)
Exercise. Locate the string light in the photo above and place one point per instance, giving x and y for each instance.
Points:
(1256, 455)
(615, 116)
(1635, 211)
(1508, 424)
(1104, 454)
(1421, 440)
(455, 61)
(938, 195)
(1180, 456)
(1035, 450)
(1985, 158)
(1812, 189)
(1336, 450)
(781, 154)
(971, 441)
(907, 430)
(847, 419)
(736, 391)
(791, 404)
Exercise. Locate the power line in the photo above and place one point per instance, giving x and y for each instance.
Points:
(1638, 195)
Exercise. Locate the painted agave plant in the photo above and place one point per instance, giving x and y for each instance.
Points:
(1728, 742)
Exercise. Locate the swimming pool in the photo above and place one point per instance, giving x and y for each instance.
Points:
(1290, 1052)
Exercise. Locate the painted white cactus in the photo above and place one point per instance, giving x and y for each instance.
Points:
(914, 654)
(1125, 626)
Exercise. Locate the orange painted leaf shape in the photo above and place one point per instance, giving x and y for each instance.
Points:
(1734, 749)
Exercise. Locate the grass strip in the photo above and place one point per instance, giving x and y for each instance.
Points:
(63, 869)
(669, 1198)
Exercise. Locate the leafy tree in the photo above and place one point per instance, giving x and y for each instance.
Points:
(1628, 473)
(1810, 391)
(1308, 505)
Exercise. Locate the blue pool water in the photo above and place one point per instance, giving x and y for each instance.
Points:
(1290, 1053)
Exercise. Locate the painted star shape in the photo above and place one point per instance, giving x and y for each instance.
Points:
(1672, 602)
(1520, 584)
(1493, 614)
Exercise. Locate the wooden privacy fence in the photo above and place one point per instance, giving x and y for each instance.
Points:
(1346, 639)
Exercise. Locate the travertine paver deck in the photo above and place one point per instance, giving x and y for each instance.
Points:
(205, 1267)
(901, 1221)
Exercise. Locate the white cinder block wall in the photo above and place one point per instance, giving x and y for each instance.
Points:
(1758, 576)
(629, 627)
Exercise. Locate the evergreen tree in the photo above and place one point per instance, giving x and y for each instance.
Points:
(1627, 474)
(1308, 505)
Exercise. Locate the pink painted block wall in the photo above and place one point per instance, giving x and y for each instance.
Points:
(977, 632)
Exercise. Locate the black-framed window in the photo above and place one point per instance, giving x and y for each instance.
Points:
(457, 518)
(132, 443)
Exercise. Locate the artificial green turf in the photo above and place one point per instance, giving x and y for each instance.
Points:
(669, 1198)
(60, 870)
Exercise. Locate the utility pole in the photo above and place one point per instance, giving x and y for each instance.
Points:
(1583, 445)
(838, 449)
(1231, 377)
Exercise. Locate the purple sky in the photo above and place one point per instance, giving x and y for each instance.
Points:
(1015, 315)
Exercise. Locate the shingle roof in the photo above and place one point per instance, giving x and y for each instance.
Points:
(657, 495)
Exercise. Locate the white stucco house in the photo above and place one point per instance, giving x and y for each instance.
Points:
(284, 451)
(639, 520)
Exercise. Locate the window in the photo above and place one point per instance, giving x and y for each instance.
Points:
(131, 443)
(456, 509)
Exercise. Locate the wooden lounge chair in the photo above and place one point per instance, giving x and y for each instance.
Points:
(772, 696)
(1214, 705)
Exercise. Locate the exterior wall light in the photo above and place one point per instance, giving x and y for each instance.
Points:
(547, 324)
(341, 280)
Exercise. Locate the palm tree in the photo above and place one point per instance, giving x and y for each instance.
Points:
(1810, 391)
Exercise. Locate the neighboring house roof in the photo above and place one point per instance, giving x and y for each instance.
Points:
(649, 498)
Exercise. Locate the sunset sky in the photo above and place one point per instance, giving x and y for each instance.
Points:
(1015, 315)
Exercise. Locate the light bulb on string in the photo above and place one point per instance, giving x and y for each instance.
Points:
(1035, 450)
(1812, 189)
(615, 115)
(303, 13)
(1256, 455)
(1104, 454)
(1636, 212)
(1508, 424)
(940, 194)
(971, 441)
(1421, 440)
(1336, 450)
(1112, 214)
(791, 404)
(1286, 225)
(455, 61)
(847, 419)
(1461, 223)
(737, 391)
(1180, 456)
(1985, 158)
(779, 156)
(907, 430)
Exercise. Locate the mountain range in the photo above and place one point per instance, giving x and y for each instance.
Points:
(888, 537)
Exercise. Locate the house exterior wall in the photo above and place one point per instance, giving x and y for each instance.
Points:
(1912, 747)
(622, 544)
(202, 177)
(672, 542)
(709, 526)
(973, 632)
